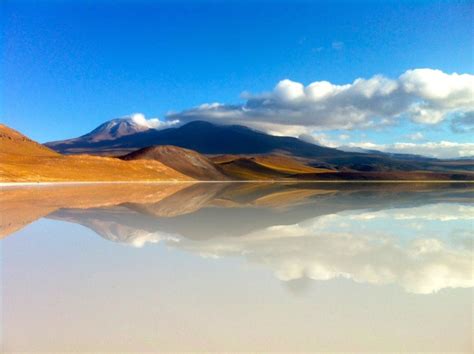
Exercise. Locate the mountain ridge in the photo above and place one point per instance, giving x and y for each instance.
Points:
(214, 139)
(201, 136)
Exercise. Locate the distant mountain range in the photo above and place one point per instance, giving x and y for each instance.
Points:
(204, 151)
(212, 139)
(122, 135)
(203, 137)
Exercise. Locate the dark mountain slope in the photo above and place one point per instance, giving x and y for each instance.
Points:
(204, 137)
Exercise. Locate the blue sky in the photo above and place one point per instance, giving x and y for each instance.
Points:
(71, 65)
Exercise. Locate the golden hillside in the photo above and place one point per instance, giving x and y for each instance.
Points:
(264, 167)
(23, 160)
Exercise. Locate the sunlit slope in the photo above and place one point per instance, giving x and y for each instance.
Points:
(16, 144)
(23, 160)
(266, 167)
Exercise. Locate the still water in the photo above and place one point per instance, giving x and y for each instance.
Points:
(237, 268)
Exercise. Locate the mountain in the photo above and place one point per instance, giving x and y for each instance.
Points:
(204, 137)
(108, 131)
(24, 160)
(188, 162)
(213, 139)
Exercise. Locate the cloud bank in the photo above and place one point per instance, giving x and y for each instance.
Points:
(442, 149)
(424, 96)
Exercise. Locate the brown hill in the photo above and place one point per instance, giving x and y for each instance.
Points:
(264, 167)
(15, 143)
(23, 160)
(188, 162)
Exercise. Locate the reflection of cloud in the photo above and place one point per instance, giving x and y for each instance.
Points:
(340, 246)
(132, 236)
(435, 212)
(121, 227)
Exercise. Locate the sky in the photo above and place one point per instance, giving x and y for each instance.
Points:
(391, 75)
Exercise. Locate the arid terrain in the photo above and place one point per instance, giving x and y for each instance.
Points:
(23, 160)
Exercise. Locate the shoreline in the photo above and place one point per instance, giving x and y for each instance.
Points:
(66, 183)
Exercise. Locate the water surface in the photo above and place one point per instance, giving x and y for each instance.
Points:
(237, 267)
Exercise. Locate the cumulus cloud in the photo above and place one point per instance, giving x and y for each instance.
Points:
(441, 149)
(425, 96)
(152, 123)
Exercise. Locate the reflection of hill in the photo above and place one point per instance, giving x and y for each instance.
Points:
(206, 209)
(182, 202)
(416, 236)
(256, 209)
(21, 206)
(420, 241)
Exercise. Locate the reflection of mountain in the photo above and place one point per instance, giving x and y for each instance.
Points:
(117, 224)
(21, 206)
(417, 236)
(201, 210)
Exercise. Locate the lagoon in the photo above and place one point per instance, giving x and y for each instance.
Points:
(237, 267)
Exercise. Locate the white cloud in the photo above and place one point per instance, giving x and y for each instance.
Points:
(425, 96)
(152, 123)
(441, 149)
